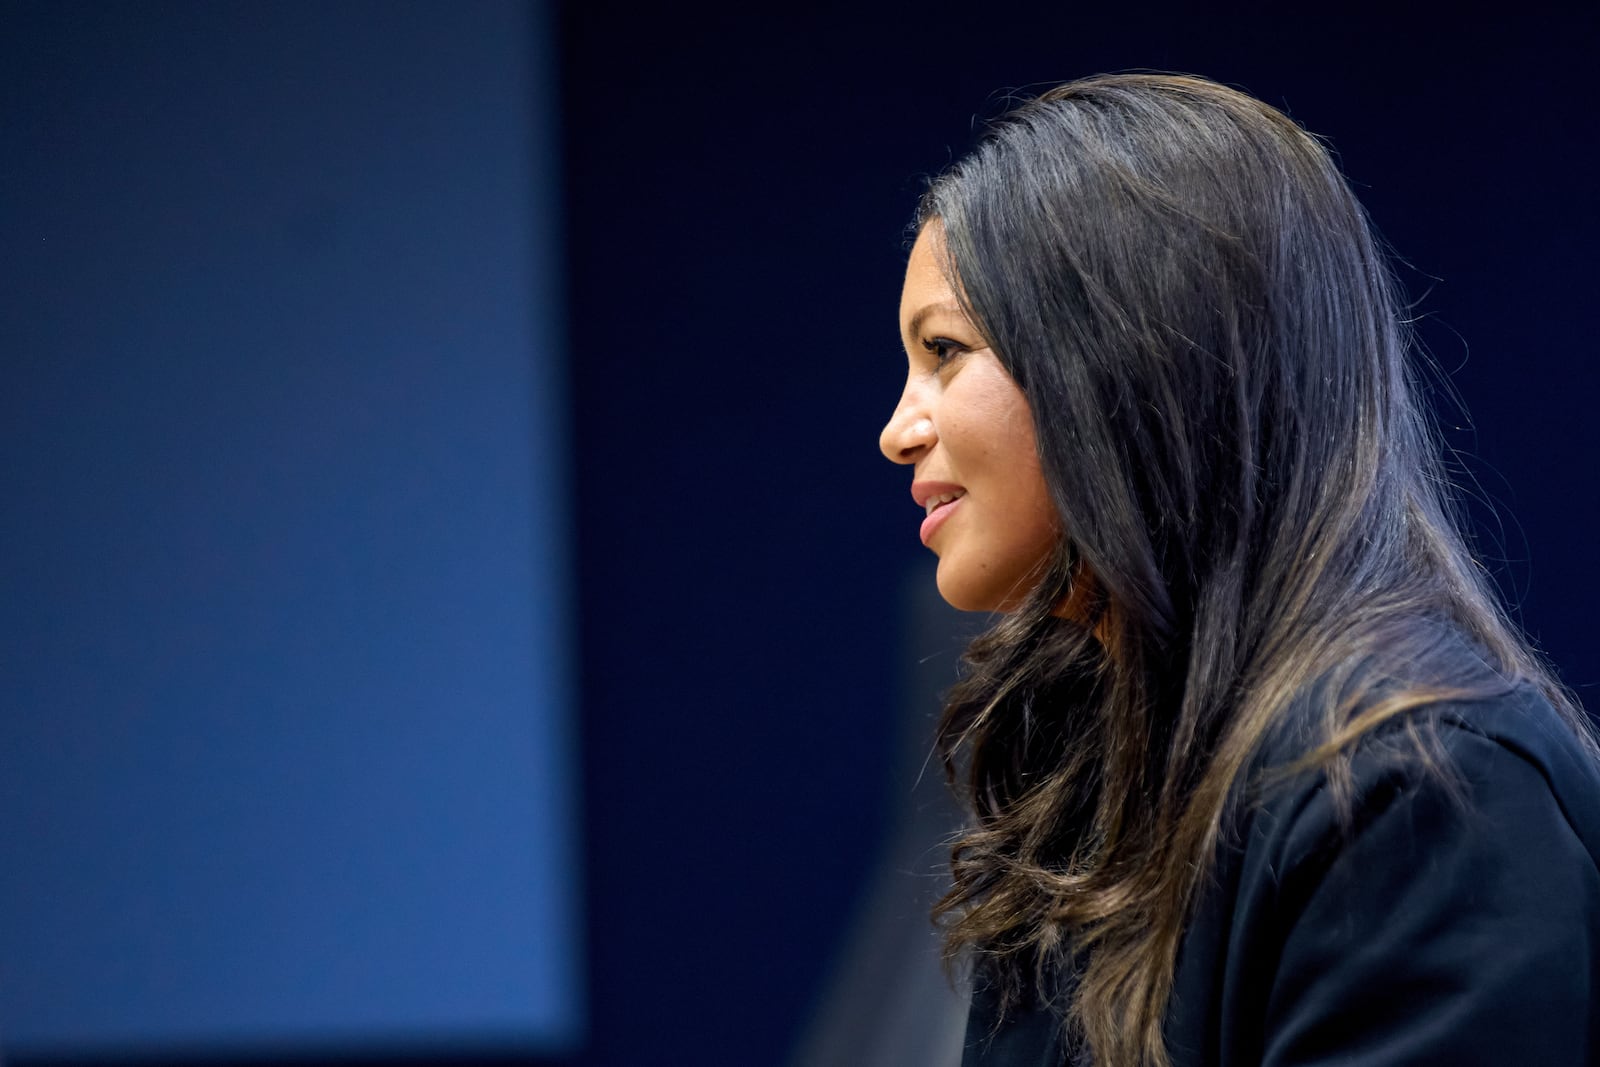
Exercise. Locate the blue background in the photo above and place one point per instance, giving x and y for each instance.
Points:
(286, 431)
(285, 756)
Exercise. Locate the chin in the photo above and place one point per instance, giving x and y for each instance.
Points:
(966, 591)
(965, 596)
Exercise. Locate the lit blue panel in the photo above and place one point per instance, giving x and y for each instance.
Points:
(286, 755)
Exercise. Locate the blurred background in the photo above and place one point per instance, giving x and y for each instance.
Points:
(454, 610)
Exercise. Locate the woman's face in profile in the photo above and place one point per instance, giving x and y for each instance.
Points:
(965, 429)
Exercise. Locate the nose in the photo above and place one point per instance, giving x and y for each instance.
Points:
(909, 433)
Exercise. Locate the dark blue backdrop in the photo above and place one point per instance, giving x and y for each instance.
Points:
(736, 188)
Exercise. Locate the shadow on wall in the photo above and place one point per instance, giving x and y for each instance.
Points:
(889, 1001)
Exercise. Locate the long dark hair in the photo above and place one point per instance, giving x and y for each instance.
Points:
(1183, 286)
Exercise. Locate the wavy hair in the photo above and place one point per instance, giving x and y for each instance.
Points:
(1256, 510)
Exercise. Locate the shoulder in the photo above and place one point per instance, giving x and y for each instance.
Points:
(1496, 762)
(1521, 739)
(1423, 901)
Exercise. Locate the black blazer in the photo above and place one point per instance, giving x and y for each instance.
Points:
(1433, 932)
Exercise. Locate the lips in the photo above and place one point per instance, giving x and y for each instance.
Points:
(939, 500)
(923, 491)
(936, 518)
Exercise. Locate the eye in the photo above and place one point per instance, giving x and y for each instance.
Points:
(943, 349)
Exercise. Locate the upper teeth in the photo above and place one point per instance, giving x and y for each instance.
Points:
(943, 498)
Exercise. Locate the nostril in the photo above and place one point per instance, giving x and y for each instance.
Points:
(907, 437)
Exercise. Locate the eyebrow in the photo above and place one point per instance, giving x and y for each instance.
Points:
(914, 327)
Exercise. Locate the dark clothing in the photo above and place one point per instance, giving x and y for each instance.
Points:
(1453, 931)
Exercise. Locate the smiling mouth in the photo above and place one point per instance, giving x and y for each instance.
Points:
(939, 507)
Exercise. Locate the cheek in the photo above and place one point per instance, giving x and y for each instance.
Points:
(990, 429)
(1029, 508)
(1019, 517)
(1031, 515)
(1015, 452)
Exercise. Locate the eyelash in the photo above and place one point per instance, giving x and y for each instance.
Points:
(942, 349)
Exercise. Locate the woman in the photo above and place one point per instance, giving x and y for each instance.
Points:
(1260, 773)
